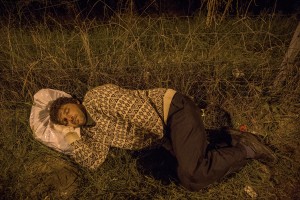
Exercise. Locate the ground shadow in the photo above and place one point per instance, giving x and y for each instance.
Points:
(157, 163)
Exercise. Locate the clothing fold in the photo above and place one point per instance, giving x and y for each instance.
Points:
(198, 165)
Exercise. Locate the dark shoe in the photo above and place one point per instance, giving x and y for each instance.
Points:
(262, 152)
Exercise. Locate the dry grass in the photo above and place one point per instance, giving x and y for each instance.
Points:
(231, 66)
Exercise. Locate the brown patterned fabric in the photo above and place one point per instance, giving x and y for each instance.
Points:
(129, 119)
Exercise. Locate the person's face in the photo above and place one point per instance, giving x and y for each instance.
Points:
(72, 114)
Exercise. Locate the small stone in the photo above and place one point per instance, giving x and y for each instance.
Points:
(250, 191)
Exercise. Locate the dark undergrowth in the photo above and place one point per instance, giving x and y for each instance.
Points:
(229, 67)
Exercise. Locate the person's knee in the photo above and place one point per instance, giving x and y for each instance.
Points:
(194, 180)
(190, 181)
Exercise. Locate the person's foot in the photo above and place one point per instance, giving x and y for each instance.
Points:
(251, 142)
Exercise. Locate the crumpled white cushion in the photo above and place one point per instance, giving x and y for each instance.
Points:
(51, 135)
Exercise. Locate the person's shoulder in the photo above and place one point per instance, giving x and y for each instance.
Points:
(109, 86)
(101, 89)
(104, 87)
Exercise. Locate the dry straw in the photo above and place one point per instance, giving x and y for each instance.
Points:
(229, 67)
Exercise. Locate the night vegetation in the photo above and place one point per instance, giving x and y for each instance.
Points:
(228, 65)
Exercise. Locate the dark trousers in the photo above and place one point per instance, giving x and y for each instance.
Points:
(198, 165)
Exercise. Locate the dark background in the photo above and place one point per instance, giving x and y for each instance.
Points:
(104, 9)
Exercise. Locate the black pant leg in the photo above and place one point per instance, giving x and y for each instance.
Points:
(198, 166)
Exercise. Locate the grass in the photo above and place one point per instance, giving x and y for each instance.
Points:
(230, 66)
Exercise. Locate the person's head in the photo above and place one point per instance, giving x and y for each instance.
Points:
(68, 111)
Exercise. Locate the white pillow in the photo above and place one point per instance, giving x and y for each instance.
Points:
(43, 129)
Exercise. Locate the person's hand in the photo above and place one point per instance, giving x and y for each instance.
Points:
(64, 130)
(68, 133)
(71, 137)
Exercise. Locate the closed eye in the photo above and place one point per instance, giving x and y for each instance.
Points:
(66, 111)
(65, 122)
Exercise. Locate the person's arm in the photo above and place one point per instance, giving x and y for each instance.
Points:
(137, 108)
(90, 155)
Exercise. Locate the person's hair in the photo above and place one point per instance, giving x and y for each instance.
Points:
(56, 105)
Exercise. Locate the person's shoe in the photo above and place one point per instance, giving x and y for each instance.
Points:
(261, 151)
